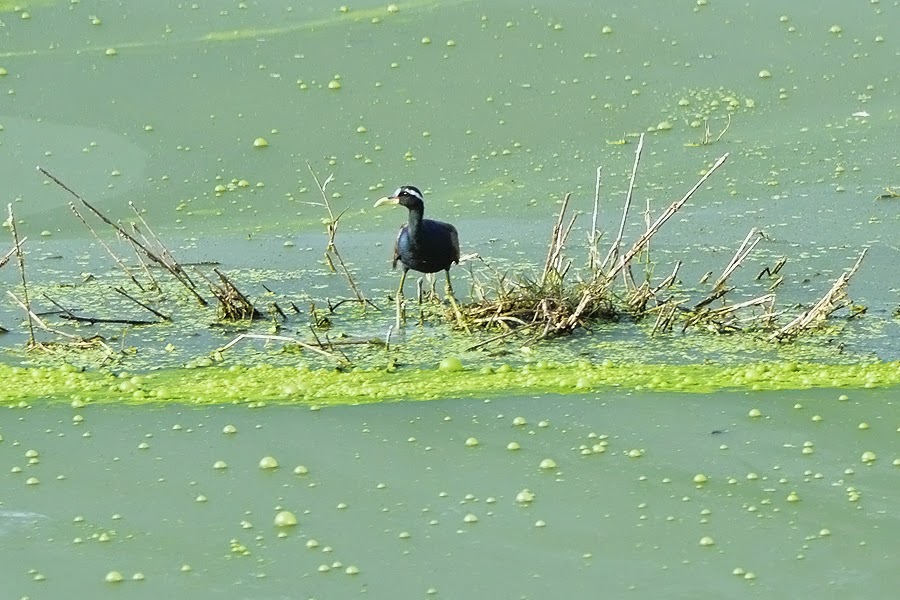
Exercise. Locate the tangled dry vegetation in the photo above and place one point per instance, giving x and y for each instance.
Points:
(561, 299)
(558, 299)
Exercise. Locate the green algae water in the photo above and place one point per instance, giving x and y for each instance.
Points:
(740, 495)
(609, 461)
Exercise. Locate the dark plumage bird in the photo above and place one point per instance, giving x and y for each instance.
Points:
(422, 245)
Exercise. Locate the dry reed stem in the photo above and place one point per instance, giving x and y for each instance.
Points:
(331, 246)
(106, 247)
(594, 239)
(12, 252)
(833, 300)
(742, 253)
(162, 316)
(174, 268)
(21, 260)
(661, 220)
(279, 338)
(613, 253)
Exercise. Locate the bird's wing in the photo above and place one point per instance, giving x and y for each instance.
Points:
(396, 256)
(454, 239)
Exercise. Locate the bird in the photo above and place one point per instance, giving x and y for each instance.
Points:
(423, 245)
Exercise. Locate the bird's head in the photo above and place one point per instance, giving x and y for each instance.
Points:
(407, 195)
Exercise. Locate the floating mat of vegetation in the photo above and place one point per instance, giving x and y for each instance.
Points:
(221, 385)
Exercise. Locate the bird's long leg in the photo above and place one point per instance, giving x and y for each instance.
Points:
(452, 299)
(398, 297)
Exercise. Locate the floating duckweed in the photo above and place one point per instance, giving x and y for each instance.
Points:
(547, 463)
(470, 518)
(111, 52)
(285, 518)
(404, 535)
(260, 143)
(749, 575)
(816, 418)
(863, 425)
(451, 43)
(361, 129)
(700, 478)
(450, 364)
(301, 470)
(426, 40)
(707, 541)
(896, 462)
(220, 464)
(824, 532)
(664, 126)
(32, 481)
(185, 568)
(312, 543)
(793, 497)
(113, 577)
(392, 8)
(765, 74)
(268, 462)
(843, 397)
(543, 423)
(323, 568)
(513, 446)
(835, 29)
(635, 453)
(3, 72)
(540, 523)
(519, 421)
(201, 498)
(471, 442)
(738, 571)
(143, 446)
(868, 457)
(341, 505)
(606, 30)
(754, 413)
(31, 454)
(334, 84)
(229, 429)
(752, 476)
(351, 570)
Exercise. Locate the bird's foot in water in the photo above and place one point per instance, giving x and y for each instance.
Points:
(401, 312)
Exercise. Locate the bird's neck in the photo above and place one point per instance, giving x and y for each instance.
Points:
(415, 219)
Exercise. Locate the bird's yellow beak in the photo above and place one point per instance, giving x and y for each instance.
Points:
(387, 200)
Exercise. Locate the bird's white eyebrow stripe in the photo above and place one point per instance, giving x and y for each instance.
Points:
(411, 191)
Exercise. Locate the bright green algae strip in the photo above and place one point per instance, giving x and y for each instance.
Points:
(225, 385)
